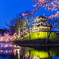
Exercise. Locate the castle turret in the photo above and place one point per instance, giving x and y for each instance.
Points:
(41, 24)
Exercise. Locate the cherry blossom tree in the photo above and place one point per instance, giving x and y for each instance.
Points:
(56, 15)
(29, 18)
(8, 38)
(18, 24)
(52, 5)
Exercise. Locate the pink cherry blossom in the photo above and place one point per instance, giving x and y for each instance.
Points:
(56, 15)
(52, 5)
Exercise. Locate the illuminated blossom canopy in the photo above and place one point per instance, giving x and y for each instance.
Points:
(9, 38)
(52, 5)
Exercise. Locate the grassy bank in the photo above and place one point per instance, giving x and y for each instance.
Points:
(38, 41)
(42, 35)
(38, 38)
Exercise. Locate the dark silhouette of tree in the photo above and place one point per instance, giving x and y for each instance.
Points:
(54, 24)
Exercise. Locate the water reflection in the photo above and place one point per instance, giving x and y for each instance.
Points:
(39, 54)
(29, 53)
(18, 52)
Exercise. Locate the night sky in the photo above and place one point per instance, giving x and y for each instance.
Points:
(9, 9)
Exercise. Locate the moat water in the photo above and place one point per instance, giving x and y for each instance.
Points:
(13, 51)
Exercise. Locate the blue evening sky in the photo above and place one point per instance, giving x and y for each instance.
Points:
(9, 9)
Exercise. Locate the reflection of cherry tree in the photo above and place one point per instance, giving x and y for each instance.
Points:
(52, 5)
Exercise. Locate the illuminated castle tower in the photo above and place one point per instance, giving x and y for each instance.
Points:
(41, 24)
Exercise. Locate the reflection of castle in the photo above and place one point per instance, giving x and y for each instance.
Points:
(41, 24)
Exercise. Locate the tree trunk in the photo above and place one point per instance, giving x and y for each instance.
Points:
(48, 35)
(29, 34)
(23, 33)
(19, 32)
